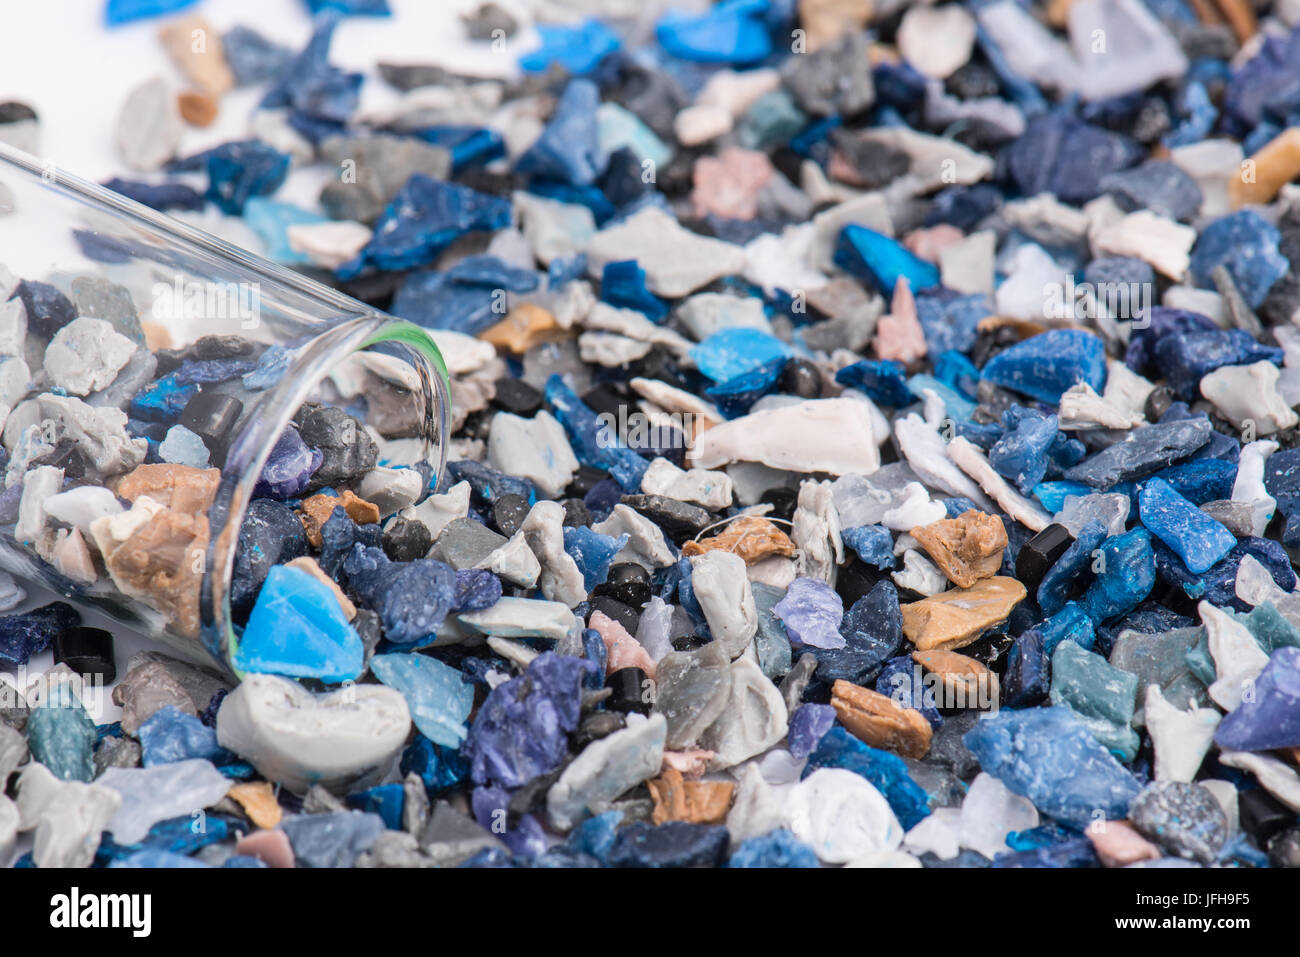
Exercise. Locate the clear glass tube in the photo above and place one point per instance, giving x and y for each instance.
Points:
(54, 226)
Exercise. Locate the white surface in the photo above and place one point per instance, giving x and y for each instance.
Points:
(57, 56)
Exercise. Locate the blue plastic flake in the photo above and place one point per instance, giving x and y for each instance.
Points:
(1144, 451)
(1198, 480)
(594, 650)
(623, 284)
(271, 221)
(210, 371)
(356, 8)
(171, 735)
(1048, 756)
(569, 149)
(239, 171)
(1217, 585)
(173, 837)
(885, 771)
(872, 629)
(439, 768)
(1021, 454)
(151, 858)
(594, 837)
(884, 380)
(48, 310)
(882, 261)
(469, 145)
(297, 628)
(104, 249)
(61, 735)
(873, 543)
(476, 589)
(734, 396)
(579, 49)
(1247, 244)
(288, 469)
(436, 301)
(412, 598)
(1260, 81)
(521, 730)
(468, 298)
(1282, 479)
(1185, 359)
(1078, 852)
(808, 725)
(29, 633)
(953, 369)
(595, 443)
(1161, 323)
(386, 800)
(1071, 623)
(671, 844)
(484, 270)
(960, 408)
(310, 87)
(1045, 365)
(565, 269)
(487, 485)
(163, 197)
(338, 535)
(118, 12)
(331, 840)
(524, 838)
(253, 58)
(439, 700)
(426, 217)
(592, 552)
(1028, 675)
(1126, 573)
(1269, 718)
(270, 369)
(950, 321)
(811, 612)
(1068, 158)
(732, 352)
(731, 32)
(317, 129)
(1157, 185)
(1061, 578)
(1198, 116)
(1200, 541)
(163, 401)
(778, 848)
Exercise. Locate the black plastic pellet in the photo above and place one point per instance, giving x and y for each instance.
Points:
(212, 417)
(623, 614)
(627, 582)
(632, 691)
(508, 513)
(584, 480)
(87, 651)
(517, 396)
(801, 378)
(1040, 553)
(1262, 815)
